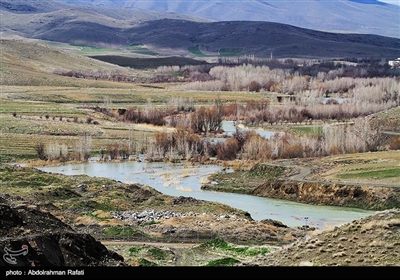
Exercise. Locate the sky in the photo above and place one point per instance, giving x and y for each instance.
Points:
(394, 2)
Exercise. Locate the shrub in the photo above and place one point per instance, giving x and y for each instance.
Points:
(113, 150)
(157, 253)
(134, 250)
(223, 262)
(40, 150)
(228, 149)
(395, 143)
(144, 262)
(254, 86)
(294, 151)
(216, 243)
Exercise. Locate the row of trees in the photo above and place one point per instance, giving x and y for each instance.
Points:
(81, 150)
(186, 143)
(182, 144)
(349, 98)
(206, 119)
(350, 137)
(115, 75)
(287, 81)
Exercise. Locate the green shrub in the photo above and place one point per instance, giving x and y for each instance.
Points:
(157, 254)
(134, 250)
(216, 243)
(144, 262)
(223, 262)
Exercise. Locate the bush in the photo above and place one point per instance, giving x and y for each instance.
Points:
(158, 254)
(228, 149)
(395, 143)
(294, 151)
(254, 86)
(223, 262)
(40, 150)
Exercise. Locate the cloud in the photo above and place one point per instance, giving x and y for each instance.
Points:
(393, 2)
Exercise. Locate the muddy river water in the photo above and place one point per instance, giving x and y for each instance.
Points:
(183, 179)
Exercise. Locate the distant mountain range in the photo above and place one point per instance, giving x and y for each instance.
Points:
(169, 34)
(356, 16)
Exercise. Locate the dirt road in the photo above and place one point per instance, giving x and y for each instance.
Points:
(158, 244)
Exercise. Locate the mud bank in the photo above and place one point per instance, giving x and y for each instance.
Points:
(357, 196)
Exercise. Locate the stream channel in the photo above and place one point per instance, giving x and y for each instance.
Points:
(184, 179)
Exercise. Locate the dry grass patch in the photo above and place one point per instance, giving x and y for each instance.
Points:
(381, 224)
(102, 215)
(363, 168)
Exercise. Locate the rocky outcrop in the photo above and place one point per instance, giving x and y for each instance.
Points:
(31, 238)
(56, 249)
(358, 196)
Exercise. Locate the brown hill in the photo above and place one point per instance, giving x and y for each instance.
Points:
(34, 64)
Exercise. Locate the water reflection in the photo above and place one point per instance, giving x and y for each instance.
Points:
(186, 180)
(229, 128)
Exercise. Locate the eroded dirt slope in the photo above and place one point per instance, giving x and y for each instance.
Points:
(371, 241)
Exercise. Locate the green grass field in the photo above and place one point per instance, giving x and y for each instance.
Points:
(196, 51)
(230, 51)
(373, 174)
(377, 167)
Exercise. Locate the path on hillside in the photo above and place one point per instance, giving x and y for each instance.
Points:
(390, 132)
(304, 172)
(162, 244)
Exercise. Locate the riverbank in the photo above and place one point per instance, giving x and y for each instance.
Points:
(53, 211)
(109, 209)
(366, 181)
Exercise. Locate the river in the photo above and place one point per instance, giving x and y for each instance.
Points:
(183, 179)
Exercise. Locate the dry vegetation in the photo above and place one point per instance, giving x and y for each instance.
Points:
(67, 118)
(170, 119)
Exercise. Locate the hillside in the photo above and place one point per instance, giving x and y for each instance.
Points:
(28, 63)
(368, 17)
(372, 241)
(260, 39)
(22, 19)
(174, 34)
